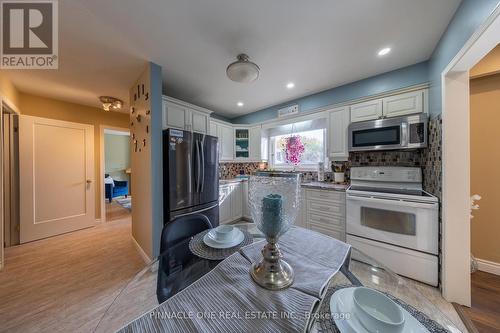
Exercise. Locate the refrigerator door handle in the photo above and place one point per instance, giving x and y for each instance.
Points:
(202, 167)
(198, 166)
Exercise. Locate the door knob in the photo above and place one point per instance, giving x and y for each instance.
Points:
(89, 181)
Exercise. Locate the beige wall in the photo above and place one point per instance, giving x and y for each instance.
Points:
(54, 109)
(489, 65)
(485, 166)
(8, 90)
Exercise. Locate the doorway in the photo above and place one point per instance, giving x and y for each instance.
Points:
(484, 312)
(456, 236)
(117, 174)
(10, 187)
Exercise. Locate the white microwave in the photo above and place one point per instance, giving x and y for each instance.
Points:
(407, 132)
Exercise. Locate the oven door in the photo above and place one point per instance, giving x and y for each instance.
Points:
(405, 223)
(379, 134)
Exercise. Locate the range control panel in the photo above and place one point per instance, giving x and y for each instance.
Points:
(387, 174)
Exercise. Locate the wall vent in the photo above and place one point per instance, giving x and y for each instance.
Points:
(288, 111)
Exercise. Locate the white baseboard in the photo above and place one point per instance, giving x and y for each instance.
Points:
(143, 254)
(488, 266)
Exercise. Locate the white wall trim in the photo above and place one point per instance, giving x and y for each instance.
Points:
(102, 200)
(488, 266)
(143, 254)
(456, 160)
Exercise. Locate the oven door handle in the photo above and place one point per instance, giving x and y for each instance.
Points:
(406, 203)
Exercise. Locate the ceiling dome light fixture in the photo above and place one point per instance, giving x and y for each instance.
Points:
(110, 103)
(243, 70)
(384, 51)
(290, 85)
(240, 104)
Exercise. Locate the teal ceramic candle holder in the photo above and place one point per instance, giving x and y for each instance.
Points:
(274, 203)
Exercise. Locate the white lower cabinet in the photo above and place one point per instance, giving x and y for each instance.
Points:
(246, 204)
(230, 202)
(324, 212)
(236, 201)
(320, 210)
(224, 204)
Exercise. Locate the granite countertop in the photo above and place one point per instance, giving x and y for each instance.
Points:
(312, 185)
(325, 186)
(232, 181)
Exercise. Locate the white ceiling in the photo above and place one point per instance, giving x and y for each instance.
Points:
(316, 44)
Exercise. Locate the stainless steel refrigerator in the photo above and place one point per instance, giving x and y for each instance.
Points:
(190, 175)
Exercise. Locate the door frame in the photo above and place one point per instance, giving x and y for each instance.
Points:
(456, 160)
(102, 165)
(4, 101)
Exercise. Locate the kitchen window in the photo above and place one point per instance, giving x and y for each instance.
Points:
(312, 134)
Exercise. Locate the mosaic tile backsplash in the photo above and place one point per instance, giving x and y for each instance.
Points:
(429, 159)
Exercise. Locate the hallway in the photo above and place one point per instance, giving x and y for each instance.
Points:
(65, 283)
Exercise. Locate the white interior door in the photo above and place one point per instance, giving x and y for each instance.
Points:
(56, 164)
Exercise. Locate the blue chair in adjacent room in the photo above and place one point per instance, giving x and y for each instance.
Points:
(119, 189)
(175, 254)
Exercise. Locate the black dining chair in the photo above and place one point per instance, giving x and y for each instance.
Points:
(177, 266)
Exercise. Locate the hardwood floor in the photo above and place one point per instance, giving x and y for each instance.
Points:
(484, 312)
(115, 212)
(65, 283)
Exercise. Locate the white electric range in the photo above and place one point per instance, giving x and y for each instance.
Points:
(391, 218)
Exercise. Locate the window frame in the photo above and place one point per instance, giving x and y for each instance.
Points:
(299, 167)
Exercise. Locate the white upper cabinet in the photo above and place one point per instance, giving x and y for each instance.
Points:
(200, 122)
(237, 143)
(397, 105)
(213, 129)
(337, 134)
(369, 110)
(174, 116)
(226, 142)
(181, 115)
(403, 104)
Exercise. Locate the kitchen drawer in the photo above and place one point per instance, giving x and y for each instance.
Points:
(331, 220)
(326, 195)
(332, 232)
(324, 207)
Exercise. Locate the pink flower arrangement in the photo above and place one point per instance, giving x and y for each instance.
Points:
(294, 148)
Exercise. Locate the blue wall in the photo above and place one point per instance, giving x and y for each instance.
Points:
(468, 17)
(400, 78)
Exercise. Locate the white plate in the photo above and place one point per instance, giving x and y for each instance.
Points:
(238, 238)
(341, 302)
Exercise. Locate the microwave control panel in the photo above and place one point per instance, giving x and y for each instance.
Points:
(417, 133)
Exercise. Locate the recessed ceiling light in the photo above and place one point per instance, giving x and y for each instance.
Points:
(384, 51)
(290, 85)
(240, 104)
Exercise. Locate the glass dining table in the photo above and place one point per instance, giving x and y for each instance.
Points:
(139, 296)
